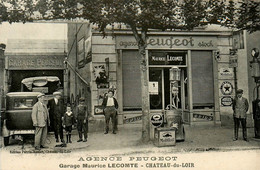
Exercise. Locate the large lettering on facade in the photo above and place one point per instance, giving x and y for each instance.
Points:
(169, 42)
(35, 62)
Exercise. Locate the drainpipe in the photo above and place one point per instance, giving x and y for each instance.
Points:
(2, 68)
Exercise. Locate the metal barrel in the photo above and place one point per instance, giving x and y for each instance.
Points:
(173, 117)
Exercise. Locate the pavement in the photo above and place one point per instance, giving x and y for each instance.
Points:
(205, 147)
(128, 138)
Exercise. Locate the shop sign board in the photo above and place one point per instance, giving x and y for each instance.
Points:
(35, 62)
(133, 119)
(202, 116)
(98, 110)
(167, 58)
(169, 42)
(226, 88)
(225, 73)
(226, 101)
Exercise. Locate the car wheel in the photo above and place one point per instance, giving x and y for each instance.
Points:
(6, 141)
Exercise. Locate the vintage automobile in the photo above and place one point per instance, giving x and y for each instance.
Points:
(17, 117)
(44, 84)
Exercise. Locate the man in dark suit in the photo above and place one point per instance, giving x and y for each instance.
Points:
(56, 113)
(41, 120)
(110, 106)
(240, 107)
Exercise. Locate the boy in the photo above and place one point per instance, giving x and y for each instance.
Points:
(68, 121)
(82, 119)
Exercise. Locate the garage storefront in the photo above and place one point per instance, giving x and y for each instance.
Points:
(194, 55)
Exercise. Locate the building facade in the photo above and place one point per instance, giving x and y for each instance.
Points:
(211, 68)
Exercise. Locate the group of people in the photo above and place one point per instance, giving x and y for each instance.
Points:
(60, 119)
(55, 116)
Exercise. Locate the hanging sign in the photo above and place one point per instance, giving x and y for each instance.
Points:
(225, 73)
(233, 58)
(226, 101)
(226, 88)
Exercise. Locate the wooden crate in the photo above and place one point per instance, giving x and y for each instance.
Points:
(164, 137)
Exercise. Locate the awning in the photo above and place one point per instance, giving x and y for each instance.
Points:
(39, 81)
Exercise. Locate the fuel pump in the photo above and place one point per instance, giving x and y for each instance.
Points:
(174, 87)
(174, 114)
(255, 65)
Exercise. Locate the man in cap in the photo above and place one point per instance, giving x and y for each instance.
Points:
(41, 120)
(240, 107)
(82, 119)
(56, 113)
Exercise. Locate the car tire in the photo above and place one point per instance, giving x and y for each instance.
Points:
(6, 141)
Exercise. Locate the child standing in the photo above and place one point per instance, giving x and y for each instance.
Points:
(68, 121)
(82, 120)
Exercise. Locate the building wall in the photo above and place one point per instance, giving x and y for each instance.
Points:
(2, 68)
(78, 33)
(104, 48)
(224, 45)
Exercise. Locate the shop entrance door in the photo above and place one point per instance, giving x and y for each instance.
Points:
(160, 93)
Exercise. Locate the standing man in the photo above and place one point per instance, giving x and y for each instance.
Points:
(56, 113)
(110, 105)
(82, 119)
(40, 118)
(240, 107)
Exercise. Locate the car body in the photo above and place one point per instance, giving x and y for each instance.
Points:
(17, 117)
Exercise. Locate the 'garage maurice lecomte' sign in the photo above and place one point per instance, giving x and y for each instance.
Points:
(167, 58)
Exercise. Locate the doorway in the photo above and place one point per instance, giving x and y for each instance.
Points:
(159, 89)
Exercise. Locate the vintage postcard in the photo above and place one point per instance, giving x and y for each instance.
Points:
(129, 85)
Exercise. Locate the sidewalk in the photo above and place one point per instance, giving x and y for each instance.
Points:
(128, 138)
